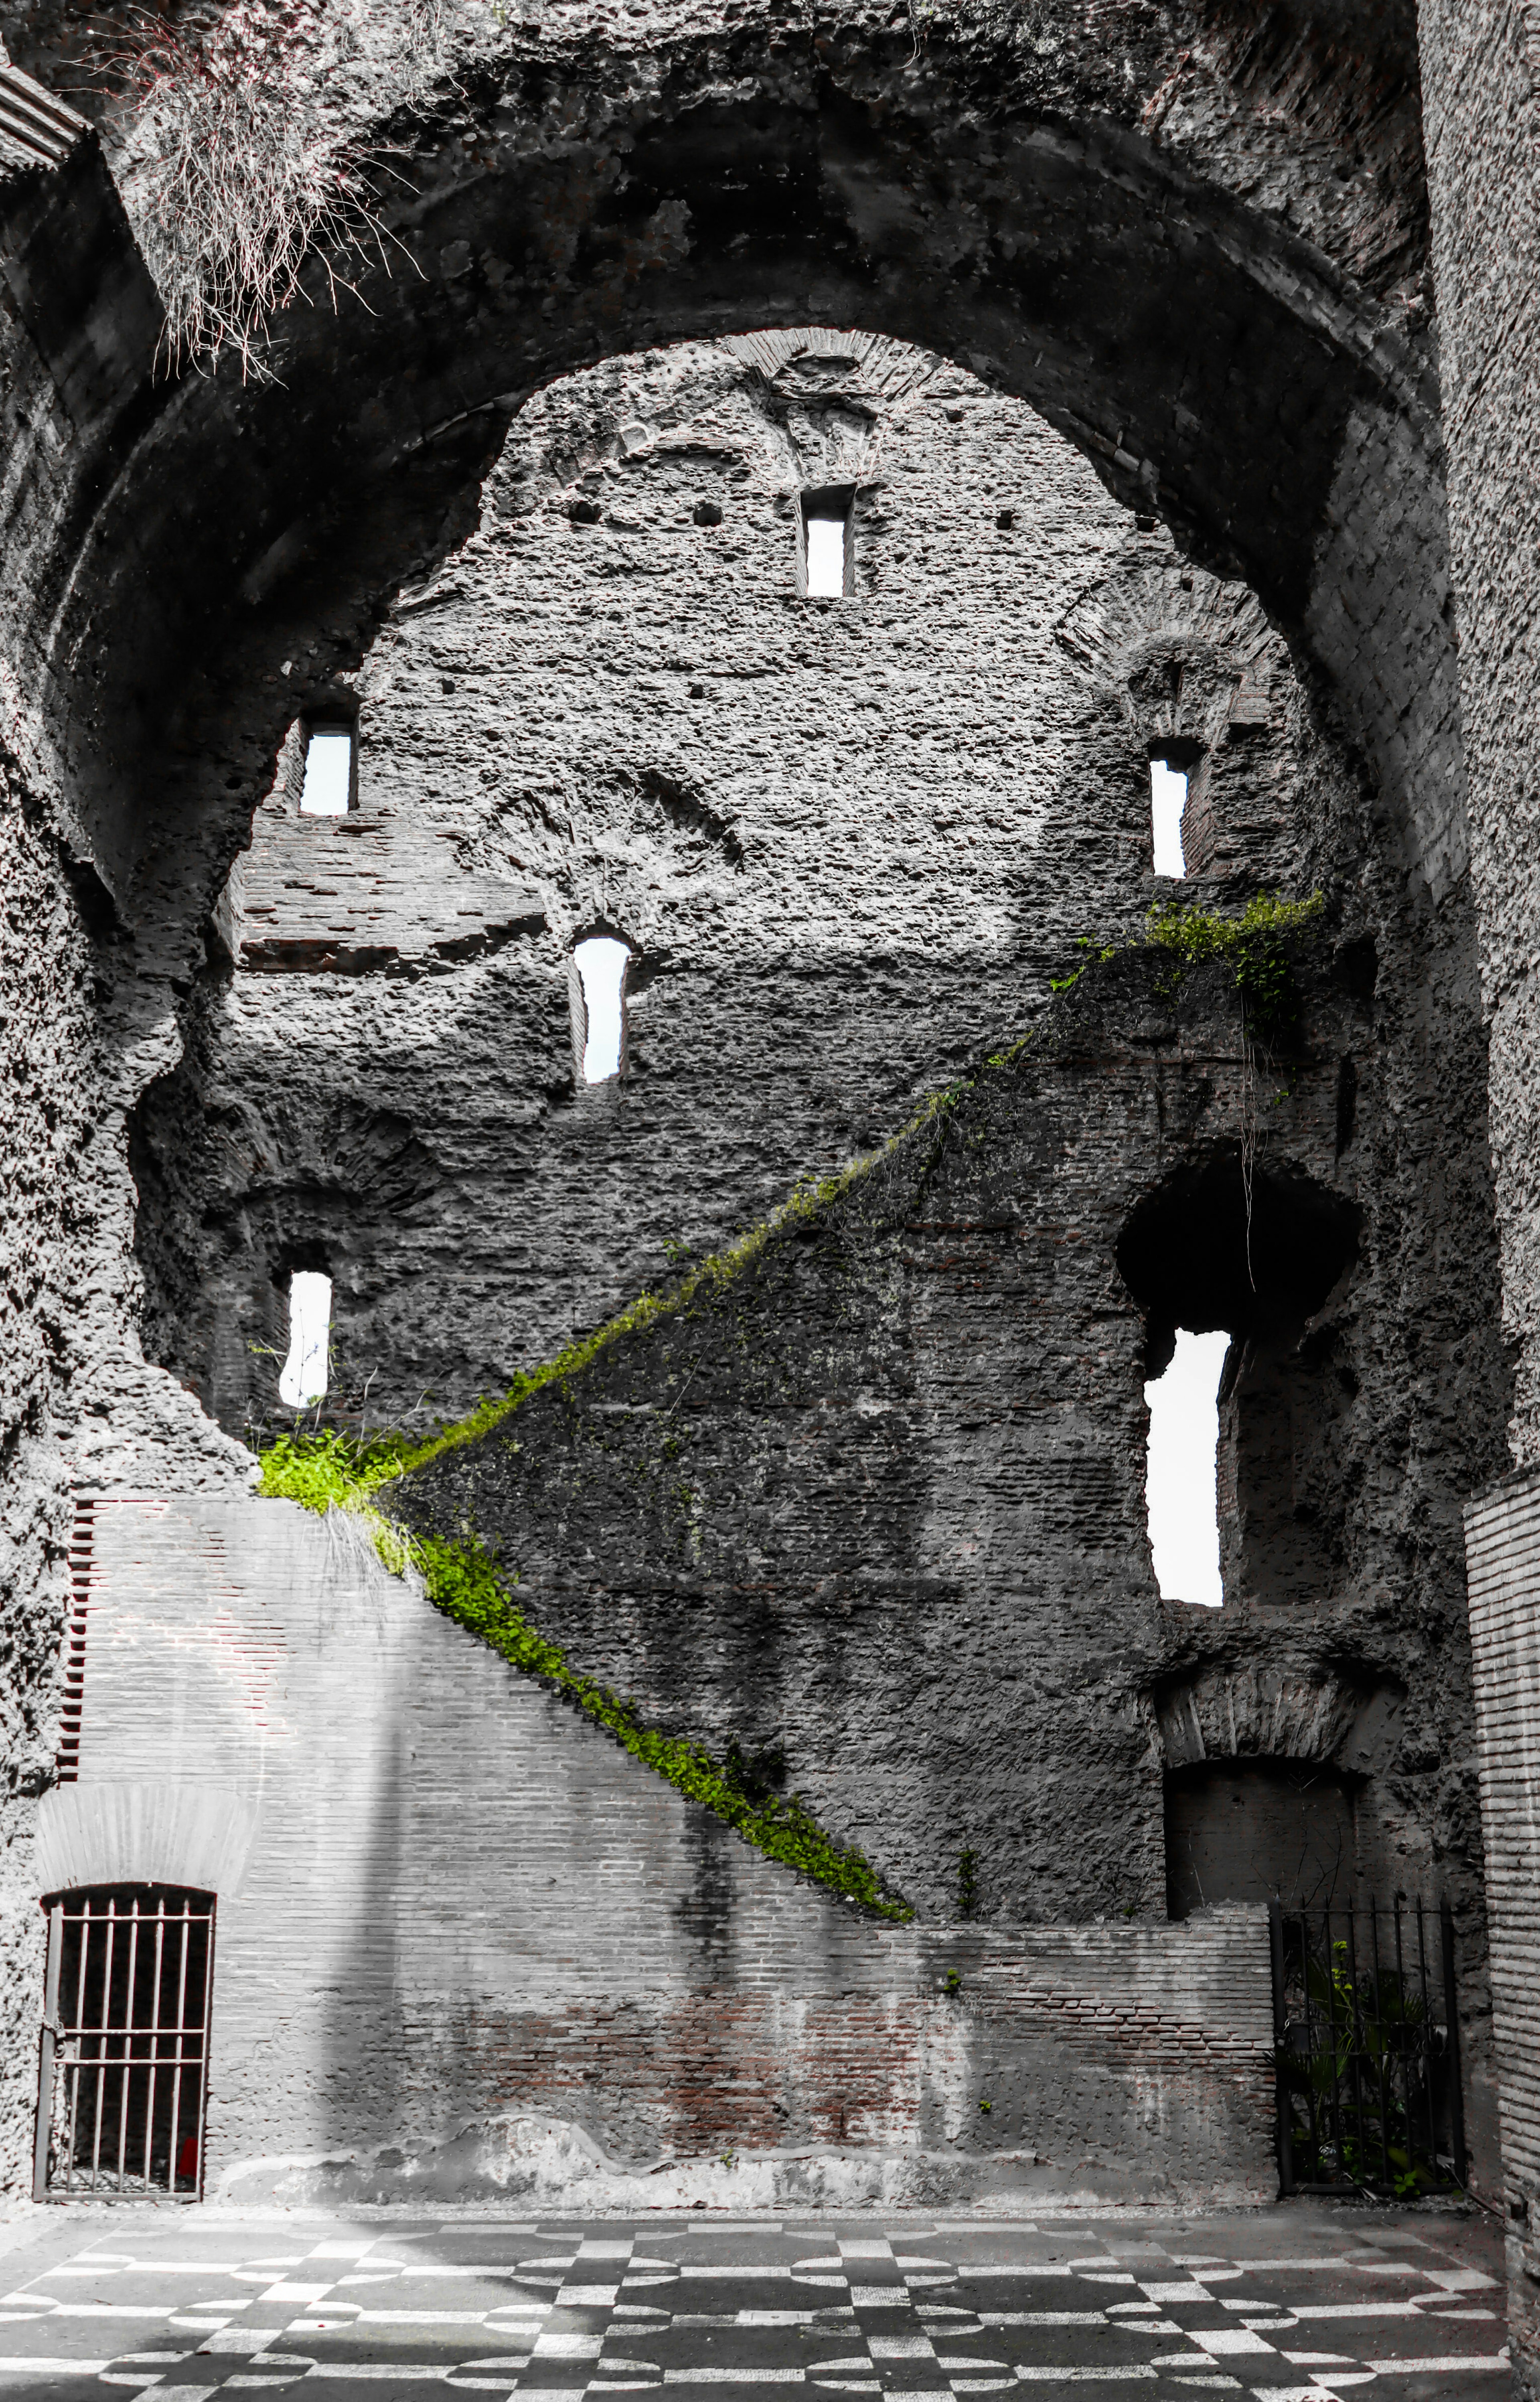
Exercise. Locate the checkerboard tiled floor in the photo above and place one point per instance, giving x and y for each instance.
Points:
(1288, 2305)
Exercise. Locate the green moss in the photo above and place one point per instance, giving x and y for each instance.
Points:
(1259, 944)
(327, 1471)
(462, 1581)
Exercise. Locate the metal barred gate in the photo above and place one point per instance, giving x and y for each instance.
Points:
(1368, 2049)
(125, 2044)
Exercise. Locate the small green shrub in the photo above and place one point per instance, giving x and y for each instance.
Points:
(1259, 943)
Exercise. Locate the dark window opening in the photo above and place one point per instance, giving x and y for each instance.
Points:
(125, 2043)
(1264, 1444)
(1259, 1831)
(828, 550)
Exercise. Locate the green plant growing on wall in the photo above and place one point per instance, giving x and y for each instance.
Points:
(1258, 945)
(968, 1883)
(466, 1583)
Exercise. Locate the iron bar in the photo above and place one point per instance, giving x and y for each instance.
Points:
(1360, 2054)
(1451, 2054)
(1279, 2039)
(136, 1964)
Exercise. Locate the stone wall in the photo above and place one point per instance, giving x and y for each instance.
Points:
(1503, 1532)
(1483, 127)
(467, 1947)
(1196, 247)
(846, 842)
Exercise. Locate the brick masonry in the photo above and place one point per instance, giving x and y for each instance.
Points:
(1196, 246)
(473, 1948)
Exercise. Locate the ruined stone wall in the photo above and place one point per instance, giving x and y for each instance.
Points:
(847, 842)
(874, 1509)
(1194, 244)
(466, 1946)
(1483, 116)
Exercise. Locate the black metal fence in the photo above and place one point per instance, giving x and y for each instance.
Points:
(125, 2044)
(1368, 2049)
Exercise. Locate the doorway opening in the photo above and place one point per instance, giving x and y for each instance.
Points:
(125, 2044)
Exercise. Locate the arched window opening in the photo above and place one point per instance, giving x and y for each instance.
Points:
(330, 758)
(827, 561)
(602, 962)
(1181, 1485)
(1168, 790)
(1234, 1273)
(1259, 1831)
(303, 1382)
(125, 2043)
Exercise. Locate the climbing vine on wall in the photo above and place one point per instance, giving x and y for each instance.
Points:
(1258, 945)
(461, 1577)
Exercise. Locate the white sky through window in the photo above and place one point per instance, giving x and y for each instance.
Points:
(825, 559)
(303, 1382)
(601, 964)
(1181, 1488)
(1168, 799)
(328, 772)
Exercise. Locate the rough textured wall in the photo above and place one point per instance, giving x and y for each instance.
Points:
(1503, 1533)
(874, 1509)
(1225, 370)
(1485, 129)
(1480, 67)
(46, 1145)
(846, 841)
(466, 1945)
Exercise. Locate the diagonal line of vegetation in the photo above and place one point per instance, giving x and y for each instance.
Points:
(329, 1470)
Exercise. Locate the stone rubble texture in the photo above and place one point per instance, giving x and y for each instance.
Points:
(1190, 245)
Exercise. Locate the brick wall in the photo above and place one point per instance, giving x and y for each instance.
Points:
(475, 1948)
(1503, 1538)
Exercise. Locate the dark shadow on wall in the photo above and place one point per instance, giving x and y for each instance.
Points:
(1204, 1253)
(1259, 1831)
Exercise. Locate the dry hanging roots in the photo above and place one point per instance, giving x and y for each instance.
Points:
(240, 185)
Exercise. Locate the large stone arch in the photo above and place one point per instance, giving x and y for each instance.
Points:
(573, 201)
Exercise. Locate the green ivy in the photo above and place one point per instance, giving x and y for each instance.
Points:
(328, 1471)
(1259, 944)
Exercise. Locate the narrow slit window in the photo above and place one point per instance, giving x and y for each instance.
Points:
(1167, 801)
(601, 965)
(328, 790)
(1181, 1489)
(303, 1382)
(826, 542)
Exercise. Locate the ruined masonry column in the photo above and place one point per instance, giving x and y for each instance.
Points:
(1480, 62)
